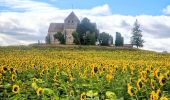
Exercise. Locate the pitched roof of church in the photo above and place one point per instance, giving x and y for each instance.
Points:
(56, 27)
(72, 15)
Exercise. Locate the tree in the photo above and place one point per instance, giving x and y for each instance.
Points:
(84, 27)
(47, 39)
(105, 38)
(89, 38)
(60, 37)
(76, 38)
(136, 38)
(119, 39)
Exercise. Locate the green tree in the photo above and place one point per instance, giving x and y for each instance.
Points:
(60, 37)
(105, 39)
(84, 27)
(119, 39)
(89, 38)
(76, 38)
(47, 39)
(136, 38)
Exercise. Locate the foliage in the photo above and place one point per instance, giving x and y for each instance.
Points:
(84, 27)
(90, 38)
(47, 39)
(60, 37)
(119, 39)
(136, 38)
(105, 39)
(28, 73)
(76, 38)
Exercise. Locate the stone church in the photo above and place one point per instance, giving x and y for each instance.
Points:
(67, 28)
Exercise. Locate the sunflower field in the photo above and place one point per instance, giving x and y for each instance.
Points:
(41, 73)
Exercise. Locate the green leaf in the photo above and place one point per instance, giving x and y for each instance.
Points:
(16, 97)
(110, 95)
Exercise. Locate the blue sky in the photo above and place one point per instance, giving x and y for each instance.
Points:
(27, 21)
(124, 7)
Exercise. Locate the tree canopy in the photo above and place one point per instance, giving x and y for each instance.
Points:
(105, 39)
(60, 37)
(119, 39)
(87, 30)
(136, 38)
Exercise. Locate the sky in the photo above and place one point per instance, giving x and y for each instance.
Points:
(26, 21)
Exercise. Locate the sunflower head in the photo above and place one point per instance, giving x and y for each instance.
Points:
(70, 77)
(158, 93)
(153, 96)
(162, 80)
(34, 85)
(34, 79)
(139, 84)
(71, 93)
(11, 69)
(15, 89)
(109, 77)
(13, 77)
(4, 69)
(39, 91)
(95, 69)
(83, 96)
(164, 98)
(130, 90)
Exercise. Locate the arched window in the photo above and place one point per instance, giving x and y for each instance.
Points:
(72, 21)
(69, 21)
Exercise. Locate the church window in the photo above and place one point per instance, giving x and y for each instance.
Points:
(68, 21)
(72, 21)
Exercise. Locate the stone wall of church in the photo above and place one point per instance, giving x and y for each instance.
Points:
(52, 39)
(69, 37)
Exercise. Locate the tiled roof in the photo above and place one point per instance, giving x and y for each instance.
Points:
(56, 27)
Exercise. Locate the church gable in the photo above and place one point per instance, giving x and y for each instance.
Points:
(72, 18)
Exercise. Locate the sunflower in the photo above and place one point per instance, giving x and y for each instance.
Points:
(4, 69)
(157, 73)
(15, 89)
(34, 85)
(71, 93)
(92, 73)
(153, 96)
(83, 96)
(42, 72)
(152, 84)
(55, 78)
(167, 74)
(144, 76)
(158, 93)
(95, 69)
(70, 77)
(139, 84)
(109, 77)
(11, 69)
(130, 91)
(162, 80)
(131, 79)
(14, 71)
(13, 77)
(34, 79)
(39, 91)
(163, 98)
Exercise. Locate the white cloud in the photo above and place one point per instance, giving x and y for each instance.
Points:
(32, 24)
(167, 10)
